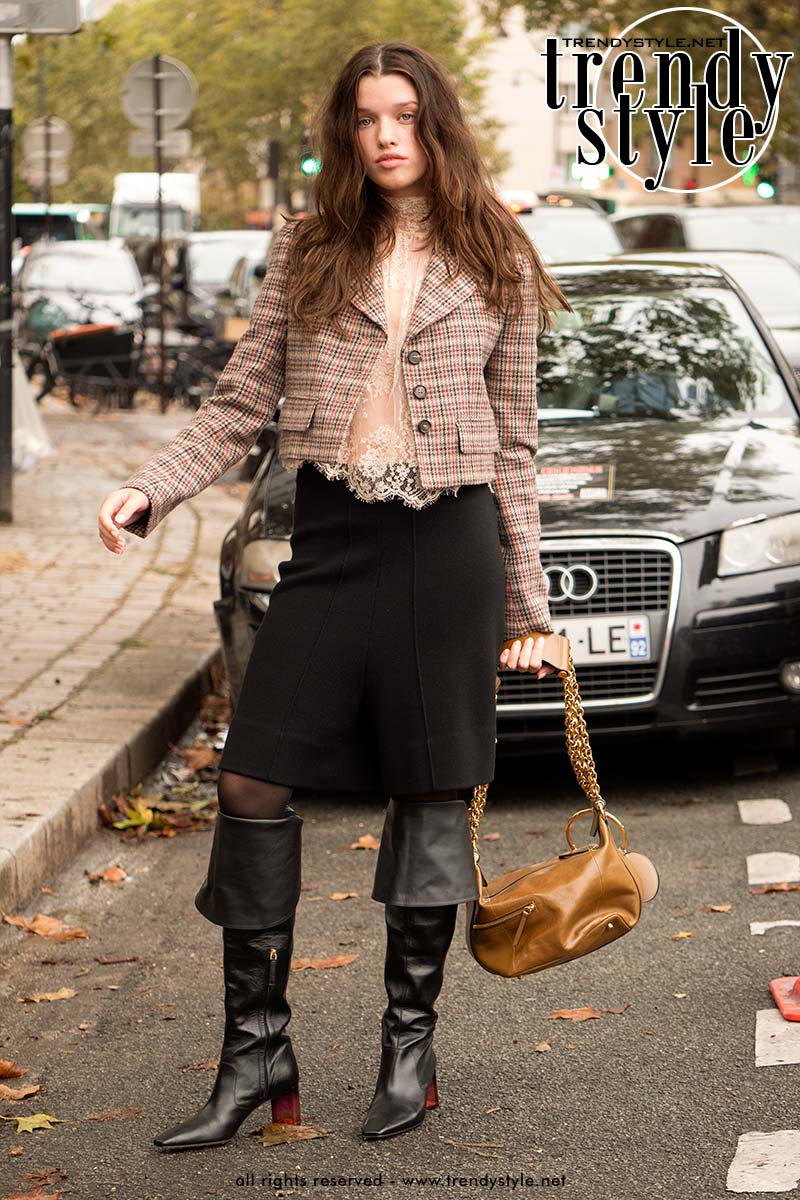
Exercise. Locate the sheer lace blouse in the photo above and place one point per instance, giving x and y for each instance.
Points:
(377, 456)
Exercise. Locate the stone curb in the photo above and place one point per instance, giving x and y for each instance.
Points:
(95, 745)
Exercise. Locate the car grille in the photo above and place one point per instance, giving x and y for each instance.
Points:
(729, 689)
(594, 683)
(632, 579)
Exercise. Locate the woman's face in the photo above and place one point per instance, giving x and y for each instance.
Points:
(386, 121)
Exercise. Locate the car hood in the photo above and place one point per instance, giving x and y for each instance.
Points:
(681, 478)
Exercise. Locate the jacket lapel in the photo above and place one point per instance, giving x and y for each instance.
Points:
(438, 295)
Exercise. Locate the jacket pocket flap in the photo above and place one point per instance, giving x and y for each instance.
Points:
(478, 435)
(297, 411)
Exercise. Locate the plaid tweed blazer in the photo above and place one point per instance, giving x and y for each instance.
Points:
(471, 384)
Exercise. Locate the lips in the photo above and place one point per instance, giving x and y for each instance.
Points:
(390, 158)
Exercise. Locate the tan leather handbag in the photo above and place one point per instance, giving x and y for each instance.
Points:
(538, 916)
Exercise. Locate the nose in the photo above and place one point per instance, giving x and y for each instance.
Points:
(386, 135)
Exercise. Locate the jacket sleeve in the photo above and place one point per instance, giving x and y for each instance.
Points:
(227, 423)
(510, 374)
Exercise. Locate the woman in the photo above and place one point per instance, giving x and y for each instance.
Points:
(386, 319)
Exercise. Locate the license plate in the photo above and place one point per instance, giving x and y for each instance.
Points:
(622, 638)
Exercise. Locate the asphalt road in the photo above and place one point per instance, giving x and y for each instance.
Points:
(640, 1104)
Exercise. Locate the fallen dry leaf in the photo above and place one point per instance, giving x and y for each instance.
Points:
(9, 1069)
(365, 842)
(321, 964)
(46, 889)
(680, 995)
(574, 1014)
(45, 1177)
(110, 959)
(9, 1093)
(44, 926)
(16, 1150)
(684, 933)
(499, 1108)
(111, 875)
(37, 1121)
(210, 1064)
(198, 757)
(723, 908)
(543, 1047)
(491, 837)
(760, 888)
(114, 1114)
(276, 1134)
(62, 994)
(342, 895)
(37, 1195)
(620, 1010)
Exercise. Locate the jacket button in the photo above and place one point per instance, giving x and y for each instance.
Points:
(414, 356)
(424, 425)
(420, 391)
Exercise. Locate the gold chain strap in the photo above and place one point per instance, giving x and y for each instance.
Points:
(578, 749)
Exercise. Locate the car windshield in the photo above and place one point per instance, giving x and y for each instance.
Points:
(141, 220)
(681, 351)
(81, 273)
(767, 229)
(213, 261)
(568, 234)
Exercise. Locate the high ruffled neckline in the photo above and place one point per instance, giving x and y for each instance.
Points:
(411, 212)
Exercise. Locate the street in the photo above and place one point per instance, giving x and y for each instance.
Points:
(647, 1099)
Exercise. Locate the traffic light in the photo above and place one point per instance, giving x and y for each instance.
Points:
(309, 163)
(765, 188)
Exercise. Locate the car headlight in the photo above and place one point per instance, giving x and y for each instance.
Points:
(760, 545)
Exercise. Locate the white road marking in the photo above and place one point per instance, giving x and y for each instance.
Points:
(758, 927)
(766, 1162)
(764, 812)
(777, 1040)
(773, 867)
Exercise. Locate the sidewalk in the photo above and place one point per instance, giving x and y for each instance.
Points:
(105, 657)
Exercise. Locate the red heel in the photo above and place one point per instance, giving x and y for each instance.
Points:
(286, 1109)
(432, 1098)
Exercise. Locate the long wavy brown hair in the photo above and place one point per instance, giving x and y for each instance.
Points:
(335, 247)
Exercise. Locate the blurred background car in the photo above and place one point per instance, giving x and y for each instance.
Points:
(774, 227)
(200, 266)
(564, 227)
(772, 281)
(69, 283)
(669, 454)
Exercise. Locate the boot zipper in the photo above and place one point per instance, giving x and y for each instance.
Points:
(273, 964)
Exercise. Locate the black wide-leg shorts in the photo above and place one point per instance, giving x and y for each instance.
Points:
(374, 666)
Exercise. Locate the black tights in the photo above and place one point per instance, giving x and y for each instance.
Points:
(260, 800)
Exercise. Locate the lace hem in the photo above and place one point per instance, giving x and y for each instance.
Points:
(399, 481)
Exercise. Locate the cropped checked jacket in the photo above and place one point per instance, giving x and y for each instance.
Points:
(470, 375)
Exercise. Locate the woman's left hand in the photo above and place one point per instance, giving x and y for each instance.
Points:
(526, 656)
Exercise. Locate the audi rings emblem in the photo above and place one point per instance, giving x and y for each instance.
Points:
(577, 582)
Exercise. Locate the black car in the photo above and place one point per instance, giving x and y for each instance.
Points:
(669, 484)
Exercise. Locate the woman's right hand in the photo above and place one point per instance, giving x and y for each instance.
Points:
(119, 508)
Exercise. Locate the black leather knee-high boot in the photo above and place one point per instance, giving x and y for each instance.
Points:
(252, 890)
(425, 869)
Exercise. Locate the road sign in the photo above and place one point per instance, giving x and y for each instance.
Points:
(175, 143)
(178, 91)
(36, 176)
(40, 16)
(47, 135)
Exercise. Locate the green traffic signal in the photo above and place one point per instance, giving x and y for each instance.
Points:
(765, 189)
(750, 175)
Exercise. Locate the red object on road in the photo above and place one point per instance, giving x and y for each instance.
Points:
(786, 994)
